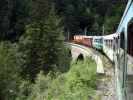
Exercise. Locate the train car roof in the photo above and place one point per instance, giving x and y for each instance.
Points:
(88, 36)
(110, 36)
(84, 36)
(127, 16)
(97, 37)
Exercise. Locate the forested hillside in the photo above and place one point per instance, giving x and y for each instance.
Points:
(32, 34)
(76, 15)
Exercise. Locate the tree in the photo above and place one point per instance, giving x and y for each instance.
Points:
(43, 47)
(10, 63)
(13, 17)
(113, 17)
(88, 13)
(39, 9)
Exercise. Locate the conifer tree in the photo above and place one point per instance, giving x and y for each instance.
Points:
(10, 63)
(13, 17)
(39, 9)
(43, 47)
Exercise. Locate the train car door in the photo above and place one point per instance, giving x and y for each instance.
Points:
(130, 39)
(129, 82)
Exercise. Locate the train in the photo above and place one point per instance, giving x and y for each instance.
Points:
(108, 44)
(118, 47)
(112, 46)
(83, 40)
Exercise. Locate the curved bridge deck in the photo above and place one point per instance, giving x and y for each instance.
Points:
(76, 50)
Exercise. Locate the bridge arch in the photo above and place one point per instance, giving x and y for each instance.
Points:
(80, 57)
(77, 52)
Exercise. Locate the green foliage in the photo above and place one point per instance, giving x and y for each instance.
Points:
(10, 63)
(40, 88)
(43, 47)
(13, 17)
(113, 17)
(90, 14)
(79, 83)
(39, 9)
(76, 73)
(24, 89)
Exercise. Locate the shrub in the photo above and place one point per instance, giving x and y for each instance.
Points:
(79, 83)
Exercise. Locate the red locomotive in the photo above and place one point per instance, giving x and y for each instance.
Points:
(82, 39)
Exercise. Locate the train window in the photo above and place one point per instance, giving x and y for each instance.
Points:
(130, 39)
(116, 43)
(116, 40)
(108, 43)
(105, 41)
(122, 40)
(101, 40)
(111, 43)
